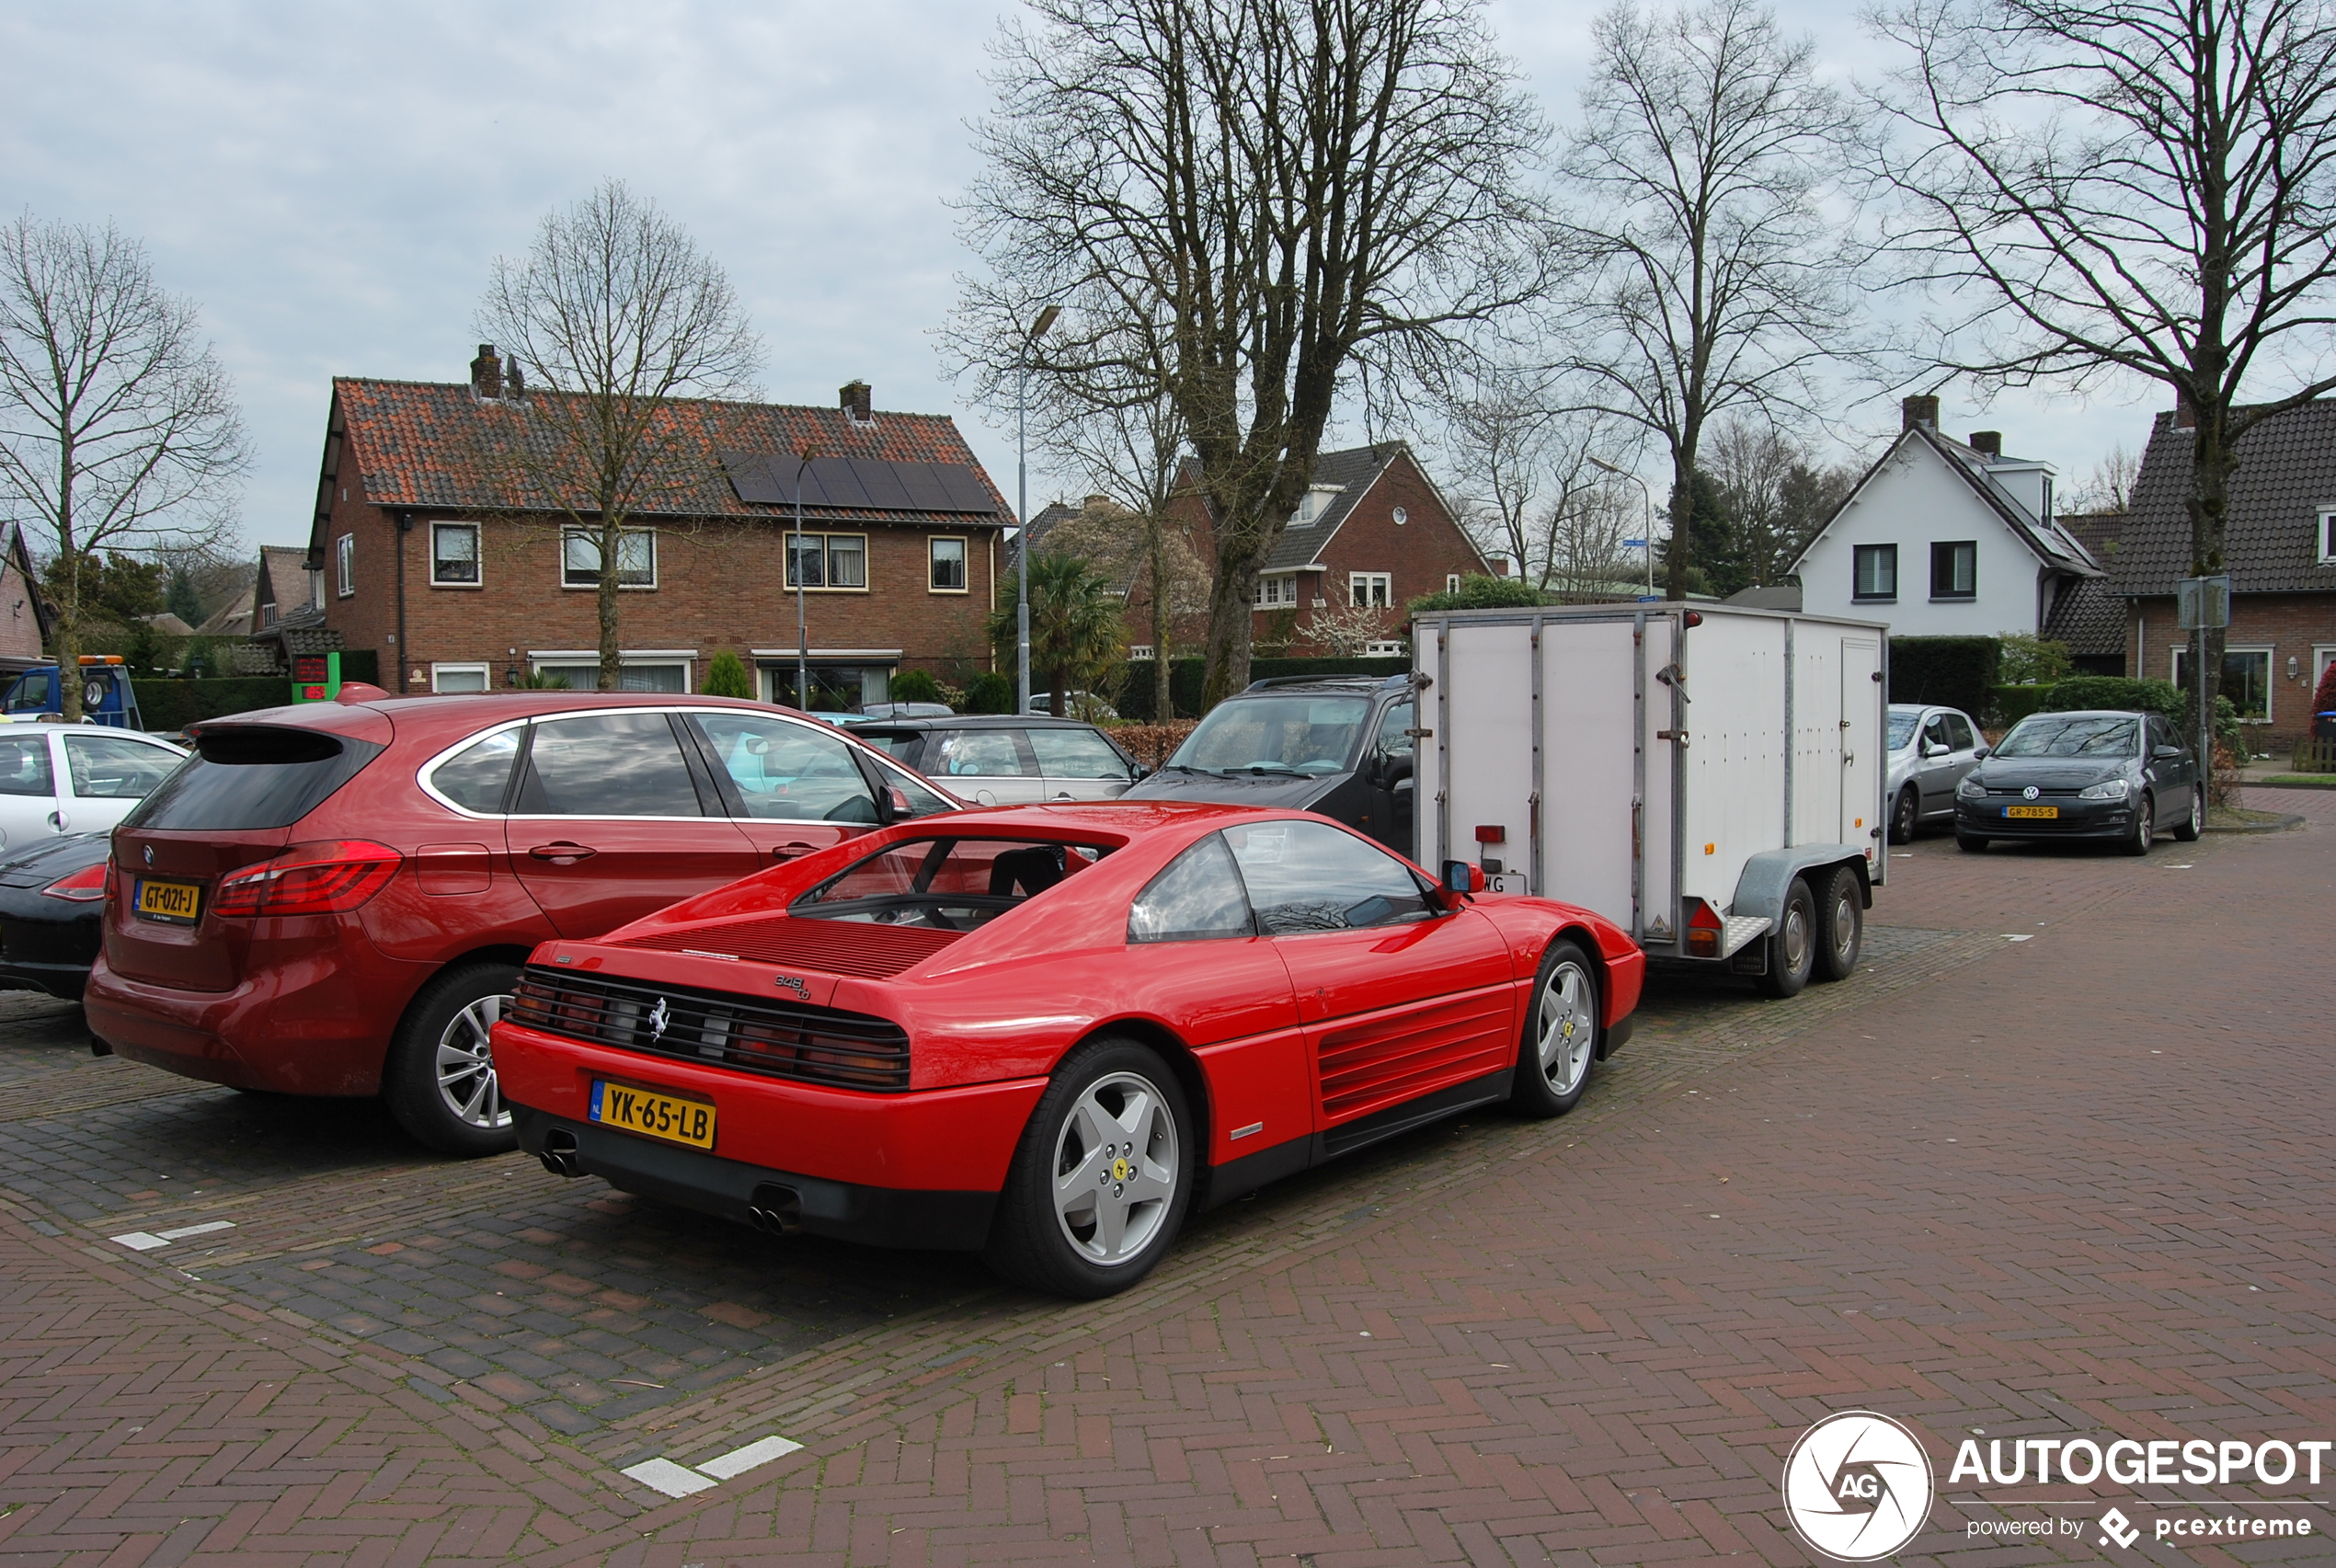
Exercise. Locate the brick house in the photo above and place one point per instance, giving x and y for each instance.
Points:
(442, 557)
(24, 616)
(1371, 533)
(2282, 558)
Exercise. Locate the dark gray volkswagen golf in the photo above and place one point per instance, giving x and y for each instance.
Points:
(1339, 745)
(2116, 776)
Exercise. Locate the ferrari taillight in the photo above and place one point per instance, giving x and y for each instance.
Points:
(324, 878)
(83, 887)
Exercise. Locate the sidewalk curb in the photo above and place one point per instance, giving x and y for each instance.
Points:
(2287, 823)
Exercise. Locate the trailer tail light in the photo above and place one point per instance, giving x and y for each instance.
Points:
(83, 887)
(1704, 927)
(327, 878)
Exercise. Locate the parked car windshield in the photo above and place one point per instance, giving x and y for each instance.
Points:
(1291, 733)
(1902, 727)
(947, 884)
(2070, 734)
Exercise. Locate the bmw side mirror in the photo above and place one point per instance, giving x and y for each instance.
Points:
(1459, 877)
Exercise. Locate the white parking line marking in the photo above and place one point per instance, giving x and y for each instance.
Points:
(147, 1241)
(737, 1461)
(664, 1475)
(2019, 936)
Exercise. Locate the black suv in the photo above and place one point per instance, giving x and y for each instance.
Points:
(1342, 744)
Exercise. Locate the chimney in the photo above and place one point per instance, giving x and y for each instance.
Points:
(2185, 412)
(854, 397)
(486, 372)
(1991, 442)
(1921, 411)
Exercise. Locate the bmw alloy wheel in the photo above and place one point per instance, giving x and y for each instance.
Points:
(1567, 1023)
(466, 1067)
(1115, 1169)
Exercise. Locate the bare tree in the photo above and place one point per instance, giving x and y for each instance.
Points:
(1301, 189)
(1710, 279)
(119, 432)
(2110, 486)
(2136, 186)
(1523, 455)
(1775, 495)
(612, 315)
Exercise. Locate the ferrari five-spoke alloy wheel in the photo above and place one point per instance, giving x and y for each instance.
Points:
(2190, 827)
(1840, 922)
(1101, 1183)
(2144, 826)
(439, 1078)
(1115, 1169)
(1902, 817)
(1559, 1047)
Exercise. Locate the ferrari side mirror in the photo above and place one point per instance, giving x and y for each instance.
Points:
(1459, 877)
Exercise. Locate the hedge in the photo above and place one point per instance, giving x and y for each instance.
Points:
(175, 705)
(1955, 673)
(1187, 676)
(2161, 697)
(2008, 705)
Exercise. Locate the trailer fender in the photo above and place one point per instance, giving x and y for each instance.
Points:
(1766, 877)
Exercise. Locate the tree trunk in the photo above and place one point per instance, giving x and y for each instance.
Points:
(68, 629)
(1682, 508)
(612, 561)
(1162, 686)
(1231, 594)
(2212, 463)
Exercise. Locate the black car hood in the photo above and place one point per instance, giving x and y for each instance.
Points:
(53, 858)
(2049, 773)
(1237, 789)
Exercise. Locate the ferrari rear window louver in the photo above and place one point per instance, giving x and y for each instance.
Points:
(824, 1046)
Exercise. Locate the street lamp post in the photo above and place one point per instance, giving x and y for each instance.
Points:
(1021, 507)
(1648, 496)
(802, 636)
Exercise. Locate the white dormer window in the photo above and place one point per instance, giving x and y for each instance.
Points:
(1313, 503)
(2328, 536)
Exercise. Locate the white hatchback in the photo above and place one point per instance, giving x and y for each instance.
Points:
(56, 779)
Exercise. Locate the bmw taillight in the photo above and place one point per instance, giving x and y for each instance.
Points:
(324, 878)
(83, 887)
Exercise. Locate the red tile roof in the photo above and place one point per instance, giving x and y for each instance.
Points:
(434, 444)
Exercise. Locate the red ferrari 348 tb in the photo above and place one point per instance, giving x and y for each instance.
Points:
(1046, 1033)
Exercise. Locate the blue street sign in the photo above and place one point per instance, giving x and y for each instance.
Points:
(1633, 543)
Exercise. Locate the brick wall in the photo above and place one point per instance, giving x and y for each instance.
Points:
(719, 585)
(2298, 625)
(19, 627)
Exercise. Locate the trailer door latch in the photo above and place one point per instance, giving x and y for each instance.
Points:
(1678, 735)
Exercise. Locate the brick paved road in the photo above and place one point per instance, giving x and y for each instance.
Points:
(2069, 1185)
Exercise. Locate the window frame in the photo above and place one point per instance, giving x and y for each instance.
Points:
(787, 538)
(2327, 541)
(345, 566)
(570, 667)
(1880, 551)
(1950, 594)
(2267, 651)
(591, 537)
(1366, 583)
(478, 555)
(1284, 594)
(1451, 582)
(932, 562)
(484, 671)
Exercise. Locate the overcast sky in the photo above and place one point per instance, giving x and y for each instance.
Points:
(330, 183)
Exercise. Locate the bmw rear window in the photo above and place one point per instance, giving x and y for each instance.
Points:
(247, 776)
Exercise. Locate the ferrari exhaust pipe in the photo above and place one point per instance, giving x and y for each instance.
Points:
(775, 1210)
(559, 1154)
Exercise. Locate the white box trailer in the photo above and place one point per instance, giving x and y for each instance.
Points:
(1708, 777)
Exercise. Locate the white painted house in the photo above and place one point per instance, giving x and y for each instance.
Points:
(1945, 538)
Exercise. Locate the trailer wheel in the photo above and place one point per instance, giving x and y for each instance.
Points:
(1558, 1049)
(1792, 945)
(1841, 924)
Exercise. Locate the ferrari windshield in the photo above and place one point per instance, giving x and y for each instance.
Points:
(1287, 734)
(2071, 735)
(945, 883)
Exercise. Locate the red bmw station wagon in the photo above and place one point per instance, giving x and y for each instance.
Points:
(1046, 1033)
(335, 898)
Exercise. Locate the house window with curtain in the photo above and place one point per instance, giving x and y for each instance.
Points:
(1371, 589)
(1955, 569)
(454, 554)
(1876, 567)
(838, 561)
(345, 563)
(948, 559)
(636, 558)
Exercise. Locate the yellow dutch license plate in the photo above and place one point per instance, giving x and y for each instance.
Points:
(2046, 812)
(652, 1114)
(177, 903)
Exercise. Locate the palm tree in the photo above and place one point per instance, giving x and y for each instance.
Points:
(1077, 634)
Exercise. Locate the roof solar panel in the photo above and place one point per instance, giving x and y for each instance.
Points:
(768, 478)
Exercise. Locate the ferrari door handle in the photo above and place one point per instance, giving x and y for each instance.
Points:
(561, 854)
(789, 850)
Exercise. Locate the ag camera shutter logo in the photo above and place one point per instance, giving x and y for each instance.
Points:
(1858, 1486)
